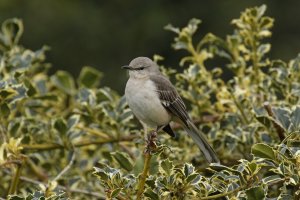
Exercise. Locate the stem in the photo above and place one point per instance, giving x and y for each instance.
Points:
(66, 168)
(94, 132)
(195, 54)
(151, 145)
(41, 175)
(238, 105)
(223, 194)
(144, 175)
(255, 60)
(15, 180)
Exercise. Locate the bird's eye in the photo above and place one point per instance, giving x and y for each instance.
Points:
(140, 68)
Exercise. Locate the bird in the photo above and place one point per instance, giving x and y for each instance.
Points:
(155, 102)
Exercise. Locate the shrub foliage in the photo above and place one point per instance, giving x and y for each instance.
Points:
(63, 137)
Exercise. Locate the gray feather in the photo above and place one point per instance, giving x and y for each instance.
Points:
(202, 143)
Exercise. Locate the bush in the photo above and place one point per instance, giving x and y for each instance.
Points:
(69, 138)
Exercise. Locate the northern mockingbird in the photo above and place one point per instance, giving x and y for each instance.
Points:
(154, 101)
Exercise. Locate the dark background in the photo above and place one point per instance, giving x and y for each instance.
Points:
(108, 34)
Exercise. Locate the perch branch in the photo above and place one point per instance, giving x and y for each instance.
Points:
(150, 147)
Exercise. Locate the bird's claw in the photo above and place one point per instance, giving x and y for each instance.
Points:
(151, 142)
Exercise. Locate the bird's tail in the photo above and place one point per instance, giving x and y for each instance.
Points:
(202, 143)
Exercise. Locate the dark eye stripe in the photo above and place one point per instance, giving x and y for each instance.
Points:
(140, 68)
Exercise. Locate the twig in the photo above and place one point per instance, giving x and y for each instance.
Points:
(94, 132)
(289, 136)
(86, 192)
(41, 175)
(239, 106)
(15, 180)
(66, 168)
(280, 131)
(150, 147)
(53, 146)
(52, 184)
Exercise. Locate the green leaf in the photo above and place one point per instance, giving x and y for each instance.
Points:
(13, 127)
(61, 126)
(165, 167)
(188, 169)
(73, 120)
(193, 25)
(15, 197)
(263, 49)
(126, 116)
(64, 81)
(254, 167)
(170, 27)
(193, 178)
(255, 193)
(7, 93)
(30, 88)
(89, 77)
(115, 192)
(101, 174)
(263, 151)
(295, 119)
(150, 194)
(124, 160)
(272, 179)
(266, 23)
(261, 10)
(285, 197)
(4, 110)
(48, 97)
(282, 117)
(12, 30)
(265, 120)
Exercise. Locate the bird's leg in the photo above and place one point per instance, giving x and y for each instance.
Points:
(145, 129)
(151, 142)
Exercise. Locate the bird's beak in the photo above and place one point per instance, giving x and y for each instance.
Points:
(126, 67)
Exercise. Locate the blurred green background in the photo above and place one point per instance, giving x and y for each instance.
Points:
(108, 34)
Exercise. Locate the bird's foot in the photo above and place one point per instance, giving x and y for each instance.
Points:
(151, 142)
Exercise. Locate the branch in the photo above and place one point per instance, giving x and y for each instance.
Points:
(40, 173)
(94, 132)
(16, 178)
(52, 146)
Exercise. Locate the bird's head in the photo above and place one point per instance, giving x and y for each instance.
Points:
(141, 67)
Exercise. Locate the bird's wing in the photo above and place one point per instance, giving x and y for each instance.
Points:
(169, 97)
(171, 100)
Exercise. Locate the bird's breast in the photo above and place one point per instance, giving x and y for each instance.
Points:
(144, 102)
